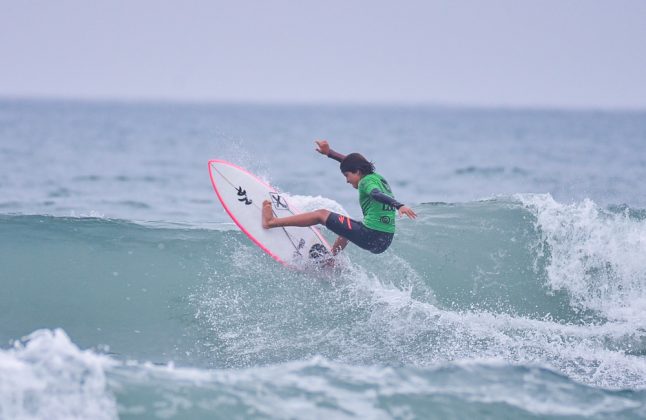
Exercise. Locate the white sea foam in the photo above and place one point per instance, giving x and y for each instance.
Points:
(48, 377)
(310, 203)
(318, 387)
(595, 255)
(92, 214)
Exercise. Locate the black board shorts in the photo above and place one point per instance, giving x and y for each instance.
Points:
(366, 238)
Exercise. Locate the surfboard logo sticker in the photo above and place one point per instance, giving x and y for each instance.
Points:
(278, 202)
(243, 193)
(297, 251)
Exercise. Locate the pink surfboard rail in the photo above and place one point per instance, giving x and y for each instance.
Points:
(237, 222)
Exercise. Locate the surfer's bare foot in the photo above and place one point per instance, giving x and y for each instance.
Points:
(267, 214)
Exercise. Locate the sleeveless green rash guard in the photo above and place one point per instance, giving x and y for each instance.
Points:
(376, 215)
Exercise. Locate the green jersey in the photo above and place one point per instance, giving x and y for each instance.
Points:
(376, 215)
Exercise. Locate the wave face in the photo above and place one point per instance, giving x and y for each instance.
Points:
(518, 305)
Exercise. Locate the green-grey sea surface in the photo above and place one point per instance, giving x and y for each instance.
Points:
(127, 292)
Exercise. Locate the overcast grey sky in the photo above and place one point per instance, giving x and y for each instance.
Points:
(563, 53)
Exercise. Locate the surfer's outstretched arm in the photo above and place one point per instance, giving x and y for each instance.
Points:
(385, 199)
(323, 147)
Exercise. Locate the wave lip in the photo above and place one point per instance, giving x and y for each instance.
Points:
(596, 255)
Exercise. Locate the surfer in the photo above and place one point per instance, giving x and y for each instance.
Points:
(378, 206)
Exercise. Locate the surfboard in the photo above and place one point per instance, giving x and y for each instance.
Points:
(241, 194)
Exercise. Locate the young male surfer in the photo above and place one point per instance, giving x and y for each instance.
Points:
(378, 206)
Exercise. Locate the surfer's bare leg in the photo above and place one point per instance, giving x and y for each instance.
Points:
(303, 220)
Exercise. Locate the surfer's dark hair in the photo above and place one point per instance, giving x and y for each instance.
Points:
(356, 162)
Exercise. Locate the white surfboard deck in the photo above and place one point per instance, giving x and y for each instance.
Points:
(242, 193)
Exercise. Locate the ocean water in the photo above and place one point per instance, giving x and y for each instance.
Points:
(127, 292)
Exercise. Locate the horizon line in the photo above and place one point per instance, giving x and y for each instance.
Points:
(149, 100)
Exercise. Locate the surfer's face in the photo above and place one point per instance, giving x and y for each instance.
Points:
(353, 178)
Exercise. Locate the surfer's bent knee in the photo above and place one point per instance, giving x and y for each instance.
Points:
(323, 215)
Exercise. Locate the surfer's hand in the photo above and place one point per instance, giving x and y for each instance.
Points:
(403, 210)
(322, 147)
